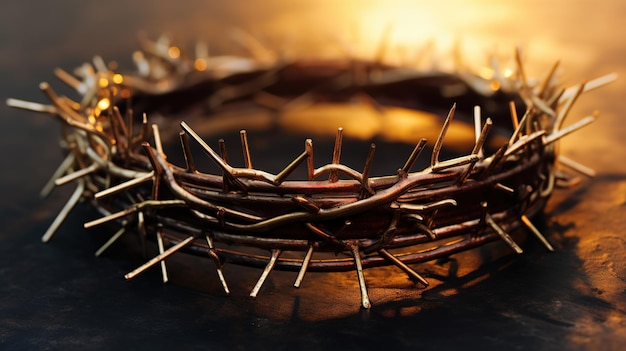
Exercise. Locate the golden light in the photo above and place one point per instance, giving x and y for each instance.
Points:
(104, 104)
(173, 52)
(103, 82)
(495, 85)
(200, 64)
(118, 78)
(413, 32)
(397, 29)
(485, 72)
(324, 118)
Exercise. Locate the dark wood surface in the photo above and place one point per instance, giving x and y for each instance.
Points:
(59, 296)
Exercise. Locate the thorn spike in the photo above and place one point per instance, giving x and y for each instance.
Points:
(365, 300)
(117, 116)
(246, 149)
(546, 82)
(568, 130)
(99, 64)
(133, 209)
(266, 272)
(161, 246)
(69, 205)
(406, 169)
(61, 106)
(303, 267)
(560, 118)
(157, 169)
(520, 67)
(75, 175)
(495, 161)
(308, 145)
(520, 125)
(537, 233)
(156, 134)
(124, 185)
(60, 171)
(31, 106)
(158, 258)
(459, 161)
(207, 149)
(280, 177)
(367, 168)
(69, 79)
(218, 264)
(109, 218)
(439, 143)
(408, 270)
(142, 233)
(111, 240)
(223, 152)
(523, 142)
(504, 188)
(591, 85)
(477, 122)
(334, 177)
(481, 137)
(189, 162)
(568, 162)
(514, 118)
(504, 235)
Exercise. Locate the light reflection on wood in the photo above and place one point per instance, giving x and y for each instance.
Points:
(395, 125)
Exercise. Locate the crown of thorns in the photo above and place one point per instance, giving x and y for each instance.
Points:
(117, 161)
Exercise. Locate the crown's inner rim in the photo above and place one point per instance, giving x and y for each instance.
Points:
(282, 108)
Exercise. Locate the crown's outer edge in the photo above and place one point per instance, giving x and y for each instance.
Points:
(401, 219)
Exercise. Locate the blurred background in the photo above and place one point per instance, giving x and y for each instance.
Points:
(58, 296)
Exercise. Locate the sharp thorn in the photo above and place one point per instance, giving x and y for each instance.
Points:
(218, 264)
(504, 235)
(266, 272)
(124, 185)
(568, 162)
(365, 300)
(161, 246)
(75, 175)
(159, 258)
(334, 177)
(111, 240)
(60, 171)
(406, 169)
(246, 149)
(537, 233)
(303, 267)
(568, 130)
(69, 205)
(410, 272)
(439, 143)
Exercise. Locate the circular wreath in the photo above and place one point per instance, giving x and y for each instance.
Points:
(118, 162)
